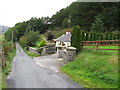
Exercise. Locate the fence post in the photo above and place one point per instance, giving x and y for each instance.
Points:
(97, 46)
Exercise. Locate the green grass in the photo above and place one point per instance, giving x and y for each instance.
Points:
(94, 69)
(30, 53)
(7, 68)
(35, 47)
(104, 47)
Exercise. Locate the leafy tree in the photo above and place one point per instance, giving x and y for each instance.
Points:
(29, 39)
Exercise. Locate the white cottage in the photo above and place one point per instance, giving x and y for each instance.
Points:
(63, 41)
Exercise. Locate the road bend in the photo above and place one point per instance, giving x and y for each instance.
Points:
(25, 73)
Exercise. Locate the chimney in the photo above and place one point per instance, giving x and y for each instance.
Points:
(67, 33)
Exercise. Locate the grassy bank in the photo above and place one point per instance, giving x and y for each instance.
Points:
(5, 71)
(30, 53)
(94, 69)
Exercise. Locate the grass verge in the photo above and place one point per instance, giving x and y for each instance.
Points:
(103, 47)
(30, 53)
(5, 71)
(94, 69)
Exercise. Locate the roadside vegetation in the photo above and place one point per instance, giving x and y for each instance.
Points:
(30, 53)
(9, 53)
(94, 69)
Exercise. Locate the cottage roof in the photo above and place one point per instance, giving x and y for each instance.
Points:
(64, 38)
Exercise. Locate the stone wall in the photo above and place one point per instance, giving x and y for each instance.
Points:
(67, 54)
(33, 50)
(49, 49)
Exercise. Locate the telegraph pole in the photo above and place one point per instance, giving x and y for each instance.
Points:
(12, 36)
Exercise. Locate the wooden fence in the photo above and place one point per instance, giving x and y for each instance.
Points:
(102, 43)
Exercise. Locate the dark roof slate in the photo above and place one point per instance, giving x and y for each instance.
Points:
(64, 38)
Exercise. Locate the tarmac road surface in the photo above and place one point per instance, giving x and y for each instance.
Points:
(26, 73)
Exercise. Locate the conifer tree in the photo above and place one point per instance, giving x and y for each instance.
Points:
(98, 26)
(76, 38)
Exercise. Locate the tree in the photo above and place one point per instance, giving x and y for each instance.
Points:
(76, 38)
(29, 39)
(87, 36)
(73, 36)
(50, 36)
(98, 26)
(65, 23)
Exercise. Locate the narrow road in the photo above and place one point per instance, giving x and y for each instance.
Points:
(26, 73)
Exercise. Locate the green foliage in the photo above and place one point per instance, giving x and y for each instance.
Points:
(73, 36)
(98, 26)
(50, 36)
(83, 14)
(9, 53)
(34, 24)
(29, 39)
(91, 36)
(30, 53)
(87, 37)
(76, 39)
(39, 50)
(83, 36)
(107, 36)
(93, 71)
(65, 23)
(101, 36)
(111, 36)
(43, 43)
(38, 24)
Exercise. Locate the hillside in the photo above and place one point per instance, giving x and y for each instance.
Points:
(3, 29)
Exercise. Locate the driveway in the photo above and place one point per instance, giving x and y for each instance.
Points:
(26, 73)
(51, 62)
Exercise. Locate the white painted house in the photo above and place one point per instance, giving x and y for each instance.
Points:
(64, 40)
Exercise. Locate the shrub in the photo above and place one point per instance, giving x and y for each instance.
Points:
(50, 36)
(23, 41)
(43, 43)
(29, 39)
(39, 50)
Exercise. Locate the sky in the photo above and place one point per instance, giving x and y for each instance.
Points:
(14, 11)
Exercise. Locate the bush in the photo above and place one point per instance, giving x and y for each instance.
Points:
(39, 50)
(23, 41)
(50, 36)
(43, 43)
(29, 39)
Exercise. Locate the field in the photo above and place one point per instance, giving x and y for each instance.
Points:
(104, 47)
(94, 69)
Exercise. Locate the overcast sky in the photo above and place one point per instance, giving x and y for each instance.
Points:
(14, 11)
